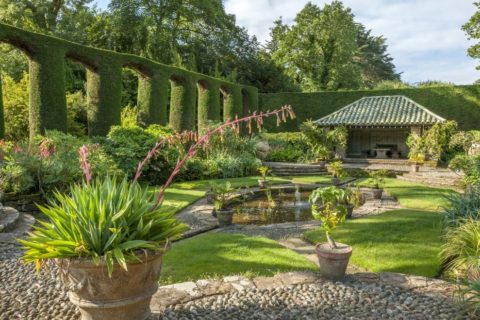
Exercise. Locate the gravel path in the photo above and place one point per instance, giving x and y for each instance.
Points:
(349, 300)
(26, 296)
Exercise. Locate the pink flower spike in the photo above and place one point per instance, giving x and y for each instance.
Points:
(83, 153)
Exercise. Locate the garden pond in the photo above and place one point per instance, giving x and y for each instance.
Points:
(271, 206)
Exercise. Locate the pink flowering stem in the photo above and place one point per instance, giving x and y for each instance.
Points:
(203, 140)
(83, 152)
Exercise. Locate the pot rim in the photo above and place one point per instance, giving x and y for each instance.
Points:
(87, 261)
(324, 248)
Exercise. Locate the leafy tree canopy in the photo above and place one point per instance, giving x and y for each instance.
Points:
(326, 49)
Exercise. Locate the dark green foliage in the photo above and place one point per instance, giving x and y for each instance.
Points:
(286, 146)
(153, 98)
(182, 104)
(208, 103)
(128, 146)
(462, 207)
(48, 105)
(104, 92)
(459, 103)
(104, 85)
(232, 103)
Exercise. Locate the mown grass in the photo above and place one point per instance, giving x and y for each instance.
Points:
(415, 195)
(405, 241)
(218, 254)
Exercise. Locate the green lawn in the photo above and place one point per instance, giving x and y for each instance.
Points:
(220, 254)
(415, 195)
(405, 241)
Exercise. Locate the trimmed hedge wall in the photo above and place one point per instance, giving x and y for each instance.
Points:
(153, 98)
(208, 103)
(182, 105)
(459, 103)
(47, 83)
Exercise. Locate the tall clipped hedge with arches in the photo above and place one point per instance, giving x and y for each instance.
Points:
(48, 111)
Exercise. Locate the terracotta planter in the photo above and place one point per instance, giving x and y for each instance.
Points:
(263, 183)
(333, 262)
(124, 296)
(377, 193)
(335, 181)
(224, 217)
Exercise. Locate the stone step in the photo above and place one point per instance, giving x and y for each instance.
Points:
(22, 227)
(9, 217)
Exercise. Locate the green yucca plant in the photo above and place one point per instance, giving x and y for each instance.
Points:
(461, 251)
(105, 219)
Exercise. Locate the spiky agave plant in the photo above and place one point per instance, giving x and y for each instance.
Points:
(105, 219)
(112, 220)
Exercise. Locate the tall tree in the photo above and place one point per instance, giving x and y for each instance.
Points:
(375, 62)
(318, 50)
(326, 49)
(472, 29)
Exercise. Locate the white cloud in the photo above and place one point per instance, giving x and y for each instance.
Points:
(424, 37)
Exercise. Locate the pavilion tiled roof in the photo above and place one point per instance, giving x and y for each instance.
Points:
(381, 111)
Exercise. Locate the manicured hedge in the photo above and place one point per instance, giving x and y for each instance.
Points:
(459, 103)
(104, 84)
(208, 103)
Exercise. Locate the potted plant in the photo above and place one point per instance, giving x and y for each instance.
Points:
(222, 193)
(416, 160)
(264, 171)
(209, 196)
(353, 199)
(108, 236)
(375, 183)
(333, 257)
(322, 154)
(335, 168)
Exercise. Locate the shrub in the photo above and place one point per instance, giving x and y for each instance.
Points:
(16, 106)
(49, 163)
(286, 147)
(128, 145)
(469, 165)
(461, 251)
(471, 298)
(322, 142)
(462, 207)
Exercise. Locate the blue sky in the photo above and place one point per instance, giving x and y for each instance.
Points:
(424, 36)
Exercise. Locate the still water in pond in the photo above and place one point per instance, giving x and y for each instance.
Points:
(284, 208)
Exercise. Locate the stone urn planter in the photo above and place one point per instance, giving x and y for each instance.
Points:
(224, 217)
(349, 210)
(209, 197)
(263, 183)
(125, 295)
(321, 163)
(336, 181)
(377, 193)
(333, 261)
